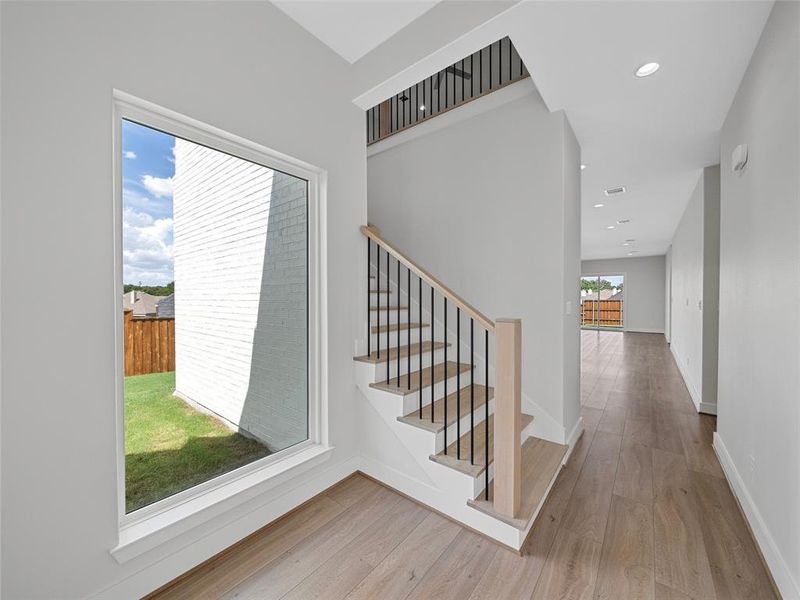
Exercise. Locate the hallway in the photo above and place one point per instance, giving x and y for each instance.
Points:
(650, 508)
(640, 511)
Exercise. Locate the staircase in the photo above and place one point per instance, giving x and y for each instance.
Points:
(444, 435)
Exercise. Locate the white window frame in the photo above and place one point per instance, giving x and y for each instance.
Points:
(182, 508)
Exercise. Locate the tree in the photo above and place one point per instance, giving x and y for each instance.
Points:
(154, 290)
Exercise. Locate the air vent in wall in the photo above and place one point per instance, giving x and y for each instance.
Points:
(615, 191)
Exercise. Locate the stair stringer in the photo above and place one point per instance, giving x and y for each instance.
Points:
(397, 454)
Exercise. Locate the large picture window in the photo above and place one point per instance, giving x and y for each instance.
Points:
(215, 309)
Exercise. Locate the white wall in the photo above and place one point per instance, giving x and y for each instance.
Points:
(243, 67)
(758, 429)
(241, 318)
(686, 341)
(668, 295)
(488, 205)
(643, 289)
(694, 277)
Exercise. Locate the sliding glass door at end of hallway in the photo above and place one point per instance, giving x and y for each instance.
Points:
(602, 302)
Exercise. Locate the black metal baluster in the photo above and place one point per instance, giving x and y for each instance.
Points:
(458, 381)
(416, 102)
(433, 327)
(445, 374)
(462, 79)
(472, 391)
(510, 61)
(378, 292)
(369, 312)
(388, 297)
(397, 313)
(472, 75)
(486, 416)
(424, 102)
(490, 66)
(454, 84)
(408, 314)
(420, 344)
(480, 87)
(443, 75)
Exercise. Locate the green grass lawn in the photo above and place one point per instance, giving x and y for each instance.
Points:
(169, 446)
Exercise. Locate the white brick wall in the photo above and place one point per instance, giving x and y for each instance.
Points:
(240, 292)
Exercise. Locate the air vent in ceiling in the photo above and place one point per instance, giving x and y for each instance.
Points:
(615, 191)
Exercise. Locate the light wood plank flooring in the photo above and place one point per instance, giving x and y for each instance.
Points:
(640, 511)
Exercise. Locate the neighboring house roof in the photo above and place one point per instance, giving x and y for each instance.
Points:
(617, 296)
(166, 306)
(142, 303)
(604, 295)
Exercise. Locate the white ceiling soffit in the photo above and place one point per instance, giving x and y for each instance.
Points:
(651, 135)
(351, 29)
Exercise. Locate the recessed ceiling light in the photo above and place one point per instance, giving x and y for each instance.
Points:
(600, 205)
(623, 221)
(632, 252)
(647, 69)
(610, 227)
(614, 191)
(583, 167)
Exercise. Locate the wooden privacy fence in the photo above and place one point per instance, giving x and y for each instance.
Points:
(606, 313)
(149, 344)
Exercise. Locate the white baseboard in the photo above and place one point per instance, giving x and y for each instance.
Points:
(572, 439)
(777, 565)
(709, 408)
(696, 397)
(642, 330)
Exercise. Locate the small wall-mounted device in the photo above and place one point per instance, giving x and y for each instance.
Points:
(739, 157)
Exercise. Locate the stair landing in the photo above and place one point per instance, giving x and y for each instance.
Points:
(541, 462)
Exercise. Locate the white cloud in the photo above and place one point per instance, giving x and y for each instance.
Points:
(147, 248)
(158, 186)
(130, 154)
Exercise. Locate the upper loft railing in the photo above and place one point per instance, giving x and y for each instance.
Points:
(385, 259)
(482, 72)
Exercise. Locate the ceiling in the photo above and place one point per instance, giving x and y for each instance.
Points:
(651, 135)
(351, 29)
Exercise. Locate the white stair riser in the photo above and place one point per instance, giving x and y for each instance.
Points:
(380, 368)
(391, 315)
(400, 338)
(480, 414)
(411, 399)
(373, 299)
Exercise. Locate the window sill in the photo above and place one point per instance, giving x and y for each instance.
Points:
(143, 535)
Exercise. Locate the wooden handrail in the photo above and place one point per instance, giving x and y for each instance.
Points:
(375, 235)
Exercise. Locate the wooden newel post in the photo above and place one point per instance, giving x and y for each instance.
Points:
(507, 416)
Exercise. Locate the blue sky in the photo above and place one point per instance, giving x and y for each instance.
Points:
(147, 170)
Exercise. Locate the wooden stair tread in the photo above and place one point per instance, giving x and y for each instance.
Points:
(541, 462)
(383, 308)
(450, 459)
(403, 350)
(396, 327)
(380, 291)
(418, 378)
(437, 424)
